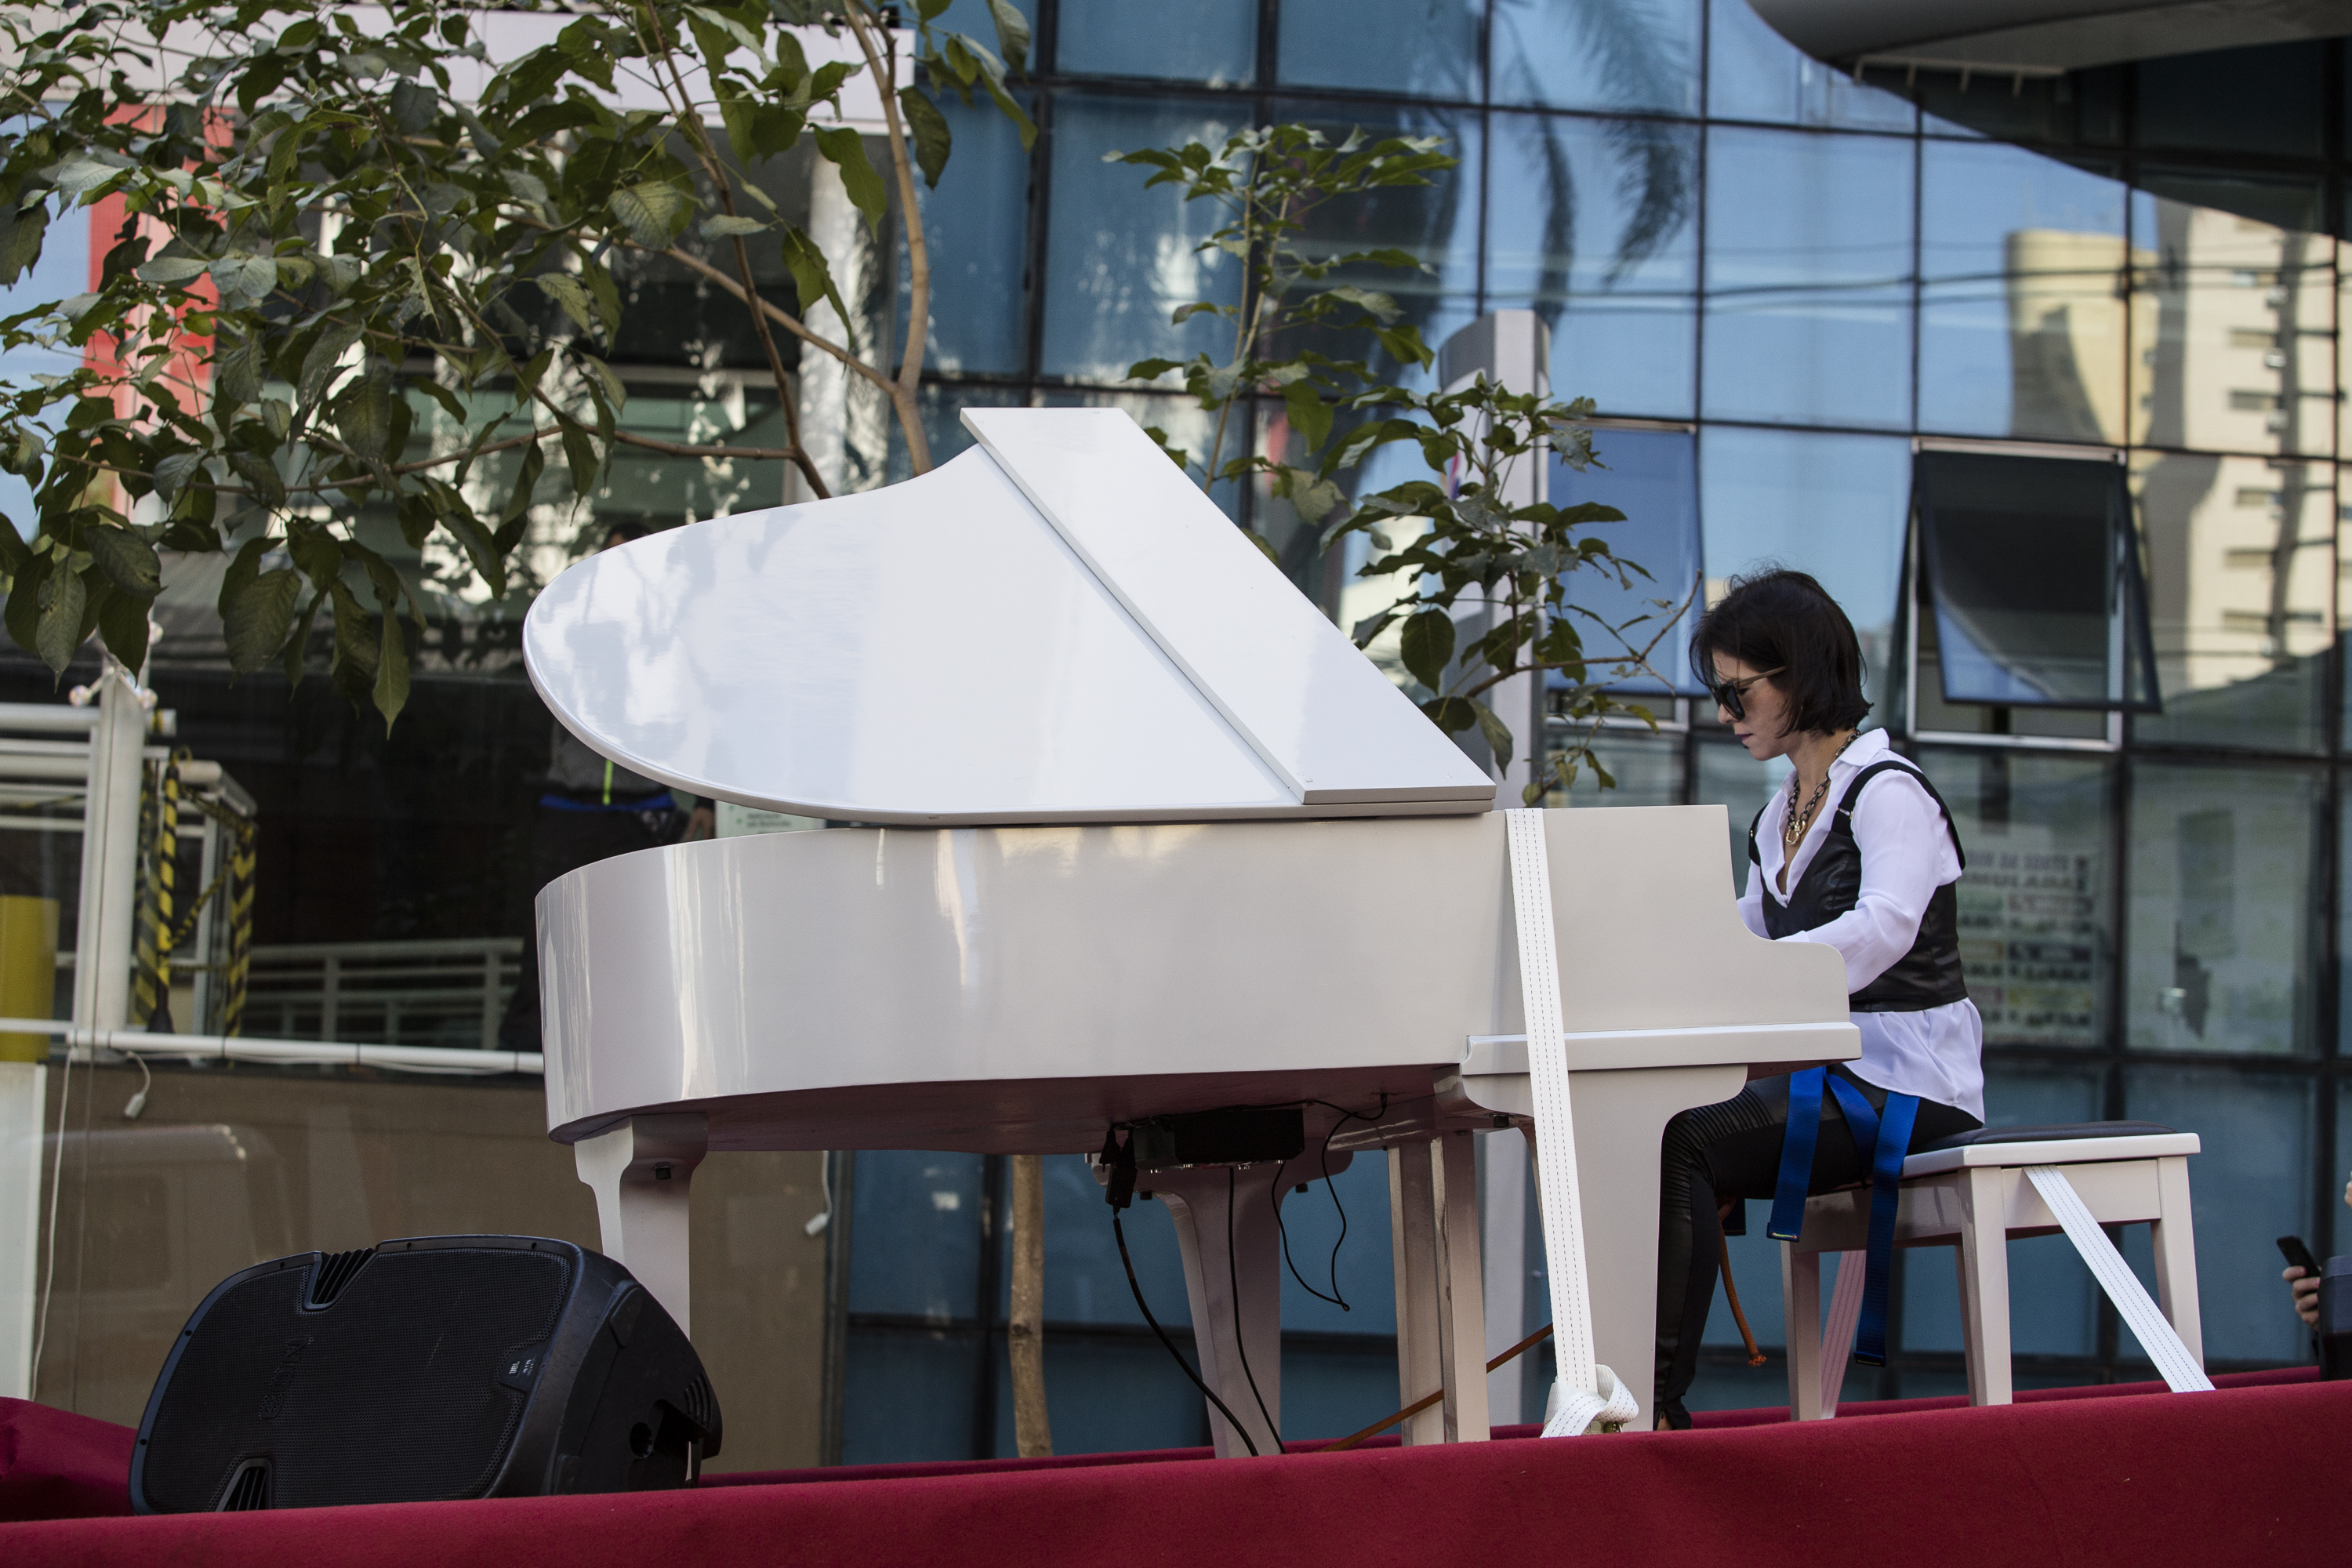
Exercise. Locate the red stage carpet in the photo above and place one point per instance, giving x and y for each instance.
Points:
(2254, 1472)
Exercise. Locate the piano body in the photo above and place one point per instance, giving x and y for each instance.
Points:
(1140, 835)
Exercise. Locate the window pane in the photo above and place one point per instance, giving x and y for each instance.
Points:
(1212, 41)
(2241, 570)
(2054, 1302)
(910, 1395)
(1753, 73)
(1831, 505)
(915, 1242)
(975, 232)
(1592, 223)
(1436, 224)
(2221, 909)
(1648, 769)
(1808, 267)
(2036, 905)
(2072, 633)
(2251, 1183)
(2022, 312)
(1084, 1281)
(1426, 48)
(2261, 100)
(1652, 477)
(1120, 259)
(942, 405)
(2230, 350)
(1597, 54)
(1728, 776)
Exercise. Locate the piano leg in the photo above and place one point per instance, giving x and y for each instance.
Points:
(1414, 1245)
(1621, 1124)
(640, 1172)
(1196, 1197)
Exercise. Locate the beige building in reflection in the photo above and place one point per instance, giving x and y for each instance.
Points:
(2218, 337)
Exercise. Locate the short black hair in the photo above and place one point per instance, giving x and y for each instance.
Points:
(1784, 621)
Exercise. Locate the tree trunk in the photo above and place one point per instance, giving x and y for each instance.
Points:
(1026, 1326)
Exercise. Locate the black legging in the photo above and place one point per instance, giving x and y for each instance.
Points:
(1730, 1151)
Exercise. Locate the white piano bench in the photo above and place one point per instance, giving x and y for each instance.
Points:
(1954, 1194)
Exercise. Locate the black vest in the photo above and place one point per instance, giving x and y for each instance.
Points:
(1927, 976)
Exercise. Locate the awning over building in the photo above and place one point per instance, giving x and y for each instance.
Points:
(2040, 38)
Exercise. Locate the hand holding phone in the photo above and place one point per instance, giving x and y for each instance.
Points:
(2298, 1256)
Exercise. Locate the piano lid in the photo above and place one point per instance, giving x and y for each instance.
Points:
(1054, 627)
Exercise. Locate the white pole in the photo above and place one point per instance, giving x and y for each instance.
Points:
(23, 1096)
(110, 856)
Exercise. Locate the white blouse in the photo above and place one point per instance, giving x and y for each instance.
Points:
(1937, 1053)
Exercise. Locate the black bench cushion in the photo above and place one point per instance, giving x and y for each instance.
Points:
(2044, 1134)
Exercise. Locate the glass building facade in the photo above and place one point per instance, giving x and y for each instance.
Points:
(1787, 289)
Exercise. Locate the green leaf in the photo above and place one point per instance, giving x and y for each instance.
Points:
(173, 472)
(845, 150)
(653, 212)
(1497, 734)
(57, 635)
(579, 456)
(391, 670)
(122, 625)
(172, 269)
(364, 414)
(128, 561)
(929, 130)
(1308, 413)
(298, 643)
(24, 603)
(1426, 645)
(20, 238)
(260, 476)
(812, 278)
(1012, 33)
(480, 549)
(244, 279)
(572, 297)
(1450, 714)
(723, 226)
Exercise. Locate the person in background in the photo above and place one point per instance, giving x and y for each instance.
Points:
(2304, 1284)
(592, 809)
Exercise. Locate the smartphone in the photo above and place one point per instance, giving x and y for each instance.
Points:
(2298, 1256)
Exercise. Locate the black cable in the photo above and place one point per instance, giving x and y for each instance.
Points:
(1241, 1340)
(1120, 1234)
(1332, 1188)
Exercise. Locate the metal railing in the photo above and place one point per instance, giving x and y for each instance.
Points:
(449, 994)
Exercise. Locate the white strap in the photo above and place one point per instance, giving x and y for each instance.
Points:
(1845, 1311)
(1587, 1395)
(2147, 1325)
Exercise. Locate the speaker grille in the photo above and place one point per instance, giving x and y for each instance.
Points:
(389, 1392)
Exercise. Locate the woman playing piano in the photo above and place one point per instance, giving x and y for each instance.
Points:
(1857, 853)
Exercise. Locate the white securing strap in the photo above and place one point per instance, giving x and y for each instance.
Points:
(1837, 1340)
(2147, 1325)
(1587, 1395)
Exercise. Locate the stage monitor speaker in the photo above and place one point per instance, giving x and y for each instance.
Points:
(438, 1367)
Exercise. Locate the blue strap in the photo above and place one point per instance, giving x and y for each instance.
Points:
(1797, 1154)
(1883, 1143)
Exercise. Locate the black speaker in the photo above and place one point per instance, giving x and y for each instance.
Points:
(442, 1366)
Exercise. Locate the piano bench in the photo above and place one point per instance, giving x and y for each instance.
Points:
(2125, 1172)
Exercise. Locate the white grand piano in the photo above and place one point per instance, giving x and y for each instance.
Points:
(1140, 834)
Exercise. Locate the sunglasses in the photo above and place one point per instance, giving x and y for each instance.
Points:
(1731, 695)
